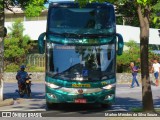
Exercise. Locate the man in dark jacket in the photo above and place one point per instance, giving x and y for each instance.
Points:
(134, 70)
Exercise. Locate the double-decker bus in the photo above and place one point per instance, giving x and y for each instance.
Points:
(80, 47)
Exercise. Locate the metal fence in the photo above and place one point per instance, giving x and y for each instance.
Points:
(37, 60)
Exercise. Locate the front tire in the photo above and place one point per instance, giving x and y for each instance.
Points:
(50, 106)
(106, 105)
(28, 90)
(21, 94)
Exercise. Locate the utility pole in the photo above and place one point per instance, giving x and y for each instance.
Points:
(1, 47)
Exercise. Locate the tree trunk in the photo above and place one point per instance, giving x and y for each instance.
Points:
(144, 41)
(1, 46)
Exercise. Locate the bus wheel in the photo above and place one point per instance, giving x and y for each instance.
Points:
(21, 95)
(49, 105)
(106, 105)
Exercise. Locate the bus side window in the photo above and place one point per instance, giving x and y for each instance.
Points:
(109, 54)
(51, 61)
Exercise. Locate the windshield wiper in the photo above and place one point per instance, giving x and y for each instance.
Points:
(76, 35)
(65, 34)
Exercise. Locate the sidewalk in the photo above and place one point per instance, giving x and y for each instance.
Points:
(7, 102)
(10, 101)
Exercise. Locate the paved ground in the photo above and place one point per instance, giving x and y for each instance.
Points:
(126, 99)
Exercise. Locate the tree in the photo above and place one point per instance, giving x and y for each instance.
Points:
(6, 4)
(16, 45)
(27, 6)
(1, 46)
(127, 14)
(130, 16)
(37, 5)
(144, 10)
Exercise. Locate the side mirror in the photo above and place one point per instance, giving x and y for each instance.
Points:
(41, 43)
(120, 44)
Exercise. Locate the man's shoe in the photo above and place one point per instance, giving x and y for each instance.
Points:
(156, 82)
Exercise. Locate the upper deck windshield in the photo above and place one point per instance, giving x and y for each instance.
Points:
(82, 20)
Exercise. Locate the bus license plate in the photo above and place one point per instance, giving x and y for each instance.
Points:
(80, 101)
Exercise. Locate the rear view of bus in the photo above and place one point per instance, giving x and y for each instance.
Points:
(80, 50)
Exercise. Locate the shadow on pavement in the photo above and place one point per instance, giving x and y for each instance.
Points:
(122, 104)
(15, 95)
(90, 110)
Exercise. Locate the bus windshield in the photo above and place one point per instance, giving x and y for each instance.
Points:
(82, 20)
(81, 63)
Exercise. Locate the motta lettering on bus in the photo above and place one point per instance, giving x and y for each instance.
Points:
(104, 83)
(81, 85)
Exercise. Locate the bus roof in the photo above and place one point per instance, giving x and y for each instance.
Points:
(50, 1)
(72, 4)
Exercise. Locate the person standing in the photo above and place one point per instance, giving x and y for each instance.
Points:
(156, 70)
(134, 70)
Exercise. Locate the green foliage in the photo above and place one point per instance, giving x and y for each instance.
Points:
(130, 55)
(143, 2)
(157, 6)
(24, 3)
(156, 15)
(31, 68)
(1, 6)
(16, 45)
(34, 8)
(129, 14)
(128, 9)
(83, 2)
(30, 12)
(31, 8)
(12, 68)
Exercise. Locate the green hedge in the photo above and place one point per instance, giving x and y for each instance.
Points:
(29, 68)
(11, 68)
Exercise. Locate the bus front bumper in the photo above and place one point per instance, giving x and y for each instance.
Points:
(72, 95)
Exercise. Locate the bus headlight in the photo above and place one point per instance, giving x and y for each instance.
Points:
(109, 86)
(51, 85)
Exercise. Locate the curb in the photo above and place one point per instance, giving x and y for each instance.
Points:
(38, 81)
(19, 100)
(11, 101)
(7, 102)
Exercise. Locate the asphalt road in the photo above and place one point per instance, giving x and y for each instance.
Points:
(126, 98)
